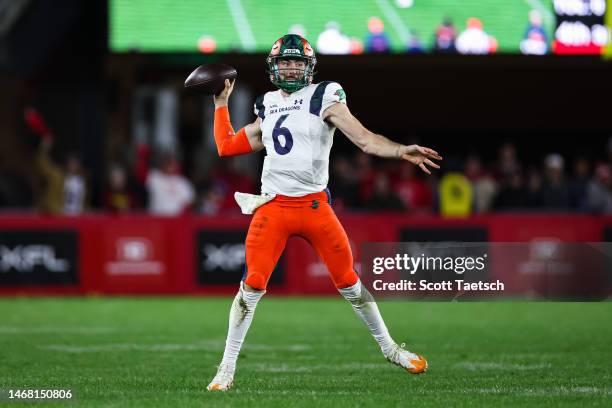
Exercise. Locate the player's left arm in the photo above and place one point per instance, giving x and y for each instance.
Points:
(341, 117)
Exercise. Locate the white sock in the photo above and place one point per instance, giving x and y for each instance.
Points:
(240, 318)
(364, 305)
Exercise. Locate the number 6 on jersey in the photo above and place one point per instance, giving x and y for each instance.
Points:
(278, 131)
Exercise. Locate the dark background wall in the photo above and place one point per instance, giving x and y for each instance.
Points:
(56, 58)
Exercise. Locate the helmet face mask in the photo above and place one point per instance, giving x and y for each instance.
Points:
(291, 47)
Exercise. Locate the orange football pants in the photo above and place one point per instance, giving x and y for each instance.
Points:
(310, 217)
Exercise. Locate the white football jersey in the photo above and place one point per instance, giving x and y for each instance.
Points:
(296, 138)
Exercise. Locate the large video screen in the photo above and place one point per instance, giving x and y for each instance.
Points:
(536, 27)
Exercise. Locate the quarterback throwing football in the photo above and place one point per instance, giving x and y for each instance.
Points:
(296, 124)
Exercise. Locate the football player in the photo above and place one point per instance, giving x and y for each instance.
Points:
(295, 125)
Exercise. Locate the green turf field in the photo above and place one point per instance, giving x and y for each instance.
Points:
(307, 352)
(253, 25)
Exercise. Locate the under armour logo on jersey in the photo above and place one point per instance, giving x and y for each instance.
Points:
(298, 101)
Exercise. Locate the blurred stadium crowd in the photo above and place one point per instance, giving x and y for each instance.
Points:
(447, 38)
(158, 183)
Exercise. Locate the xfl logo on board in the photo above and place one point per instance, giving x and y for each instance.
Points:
(24, 258)
(220, 257)
(35, 257)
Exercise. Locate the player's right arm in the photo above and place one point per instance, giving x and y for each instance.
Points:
(229, 143)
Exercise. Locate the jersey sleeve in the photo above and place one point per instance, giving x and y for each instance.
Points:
(333, 94)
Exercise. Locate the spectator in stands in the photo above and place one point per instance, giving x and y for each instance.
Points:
(343, 184)
(383, 198)
(61, 190)
(579, 184)
(535, 41)
(212, 199)
(170, 193)
(484, 186)
(455, 193)
(511, 195)
(118, 198)
(599, 191)
(412, 189)
(533, 190)
(555, 191)
(445, 37)
(50, 176)
(414, 45)
(75, 186)
(333, 41)
(507, 162)
(474, 40)
(377, 40)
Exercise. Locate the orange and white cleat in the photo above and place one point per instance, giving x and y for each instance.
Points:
(224, 379)
(411, 362)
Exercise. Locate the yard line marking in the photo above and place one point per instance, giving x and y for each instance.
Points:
(294, 392)
(213, 345)
(395, 20)
(540, 391)
(242, 25)
(501, 366)
(558, 391)
(288, 368)
(56, 330)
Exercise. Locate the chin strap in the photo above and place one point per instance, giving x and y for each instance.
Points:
(229, 143)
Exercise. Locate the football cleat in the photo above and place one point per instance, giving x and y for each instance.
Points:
(224, 379)
(411, 362)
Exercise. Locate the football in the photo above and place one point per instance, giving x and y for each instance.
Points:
(210, 79)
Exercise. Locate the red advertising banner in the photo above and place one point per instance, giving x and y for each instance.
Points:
(148, 255)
